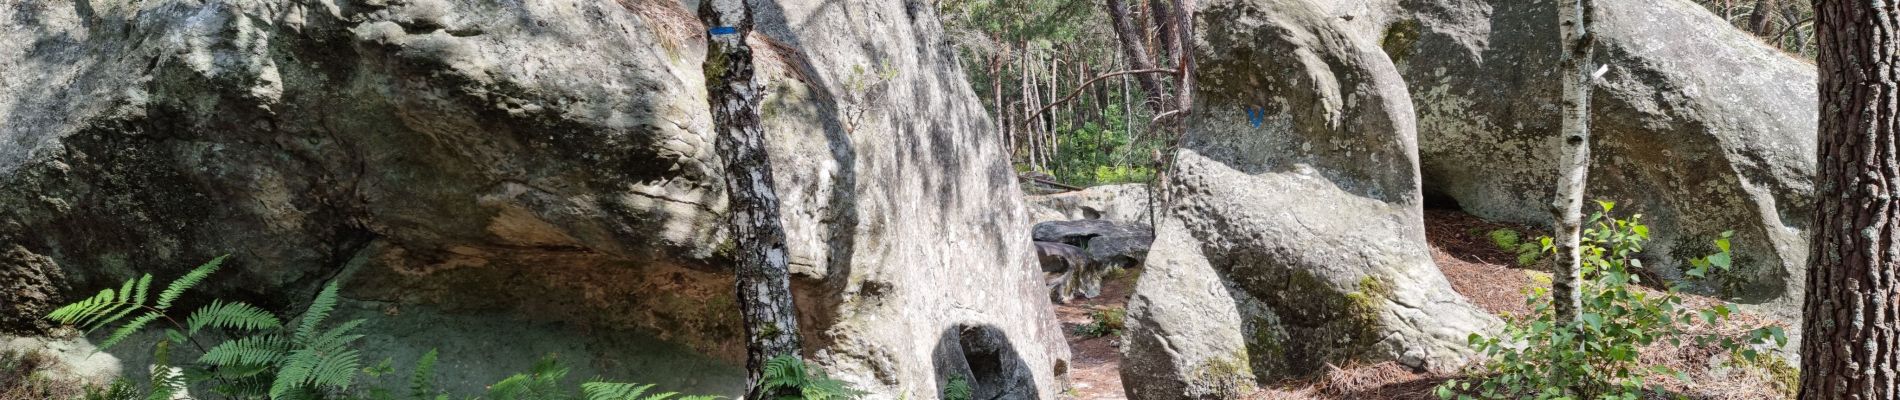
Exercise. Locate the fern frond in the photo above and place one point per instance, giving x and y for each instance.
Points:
(70, 314)
(423, 381)
(336, 370)
(618, 391)
(783, 372)
(254, 350)
(128, 329)
(135, 288)
(510, 388)
(319, 310)
(178, 287)
(295, 372)
(234, 315)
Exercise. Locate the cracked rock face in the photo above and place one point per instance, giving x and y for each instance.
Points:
(547, 158)
(1296, 242)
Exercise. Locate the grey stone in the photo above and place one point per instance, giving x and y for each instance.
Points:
(1059, 258)
(1120, 251)
(1078, 232)
(547, 158)
(1126, 202)
(1298, 242)
(1699, 127)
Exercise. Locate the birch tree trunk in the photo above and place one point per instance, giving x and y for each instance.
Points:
(764, 283)
(1574, 21)
(1850, 344)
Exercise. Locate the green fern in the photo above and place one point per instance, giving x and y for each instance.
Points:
(319, 359)
(279, 359)
(232, 316)
(788, 374)
(629, 391)
(422, 383)
(958, 389)
(111, 306)
(540, 383)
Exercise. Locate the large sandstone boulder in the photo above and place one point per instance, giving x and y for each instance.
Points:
(1123, 202)
(547, 158)
(1698, 126)
(1297, 242)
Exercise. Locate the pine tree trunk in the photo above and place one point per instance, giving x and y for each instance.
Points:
(1135, 48)
(764, 283)
(1165, 26)
(1573, 167)
(1761, 21)
(1850, 346)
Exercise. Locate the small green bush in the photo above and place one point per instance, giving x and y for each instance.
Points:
(1109, 322)
(1595, 357)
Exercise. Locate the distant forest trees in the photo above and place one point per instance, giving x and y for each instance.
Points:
(1787, 24)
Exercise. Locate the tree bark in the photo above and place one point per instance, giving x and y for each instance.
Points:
(1165, 12)
(1135, 48)
(1575, 20)
(764, 283)
(1761, 21)
(1850, 346)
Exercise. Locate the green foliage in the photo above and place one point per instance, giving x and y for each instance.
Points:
(1527, 252)
(1108, 322)
(787, 374)
(256, 355)
(958, 389)
(1595, 357)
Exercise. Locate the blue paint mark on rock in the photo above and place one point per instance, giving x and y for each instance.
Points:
(1256, 116)
(723, 30)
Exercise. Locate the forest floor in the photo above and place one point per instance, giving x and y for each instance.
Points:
(1478, 269)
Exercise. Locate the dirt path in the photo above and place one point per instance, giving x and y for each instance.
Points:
(1095, 365)
(1461, 247)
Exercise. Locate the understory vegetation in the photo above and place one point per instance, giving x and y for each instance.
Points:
(1598, 356)
(237, 350)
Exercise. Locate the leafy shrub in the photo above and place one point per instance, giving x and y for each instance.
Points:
(789, 375)
(245, 352)
(958, 389)
(1595, 357)
(1109, 322)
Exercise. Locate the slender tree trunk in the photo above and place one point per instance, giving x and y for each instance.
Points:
(1165, 12)
(1184, 55)
(996, 101)
(1850, 346)
(1574, 22)
(764, 283)
(1761, 21)
(1055, 83)
(1135, 48)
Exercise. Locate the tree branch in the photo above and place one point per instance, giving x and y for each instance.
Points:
(1085, 85)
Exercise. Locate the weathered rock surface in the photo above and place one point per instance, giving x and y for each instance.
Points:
(1079, 232)
(1123, 202)
(1698, 126)
(544, 158)
(1120, 251)
(1059, 258)
(1297, 242)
